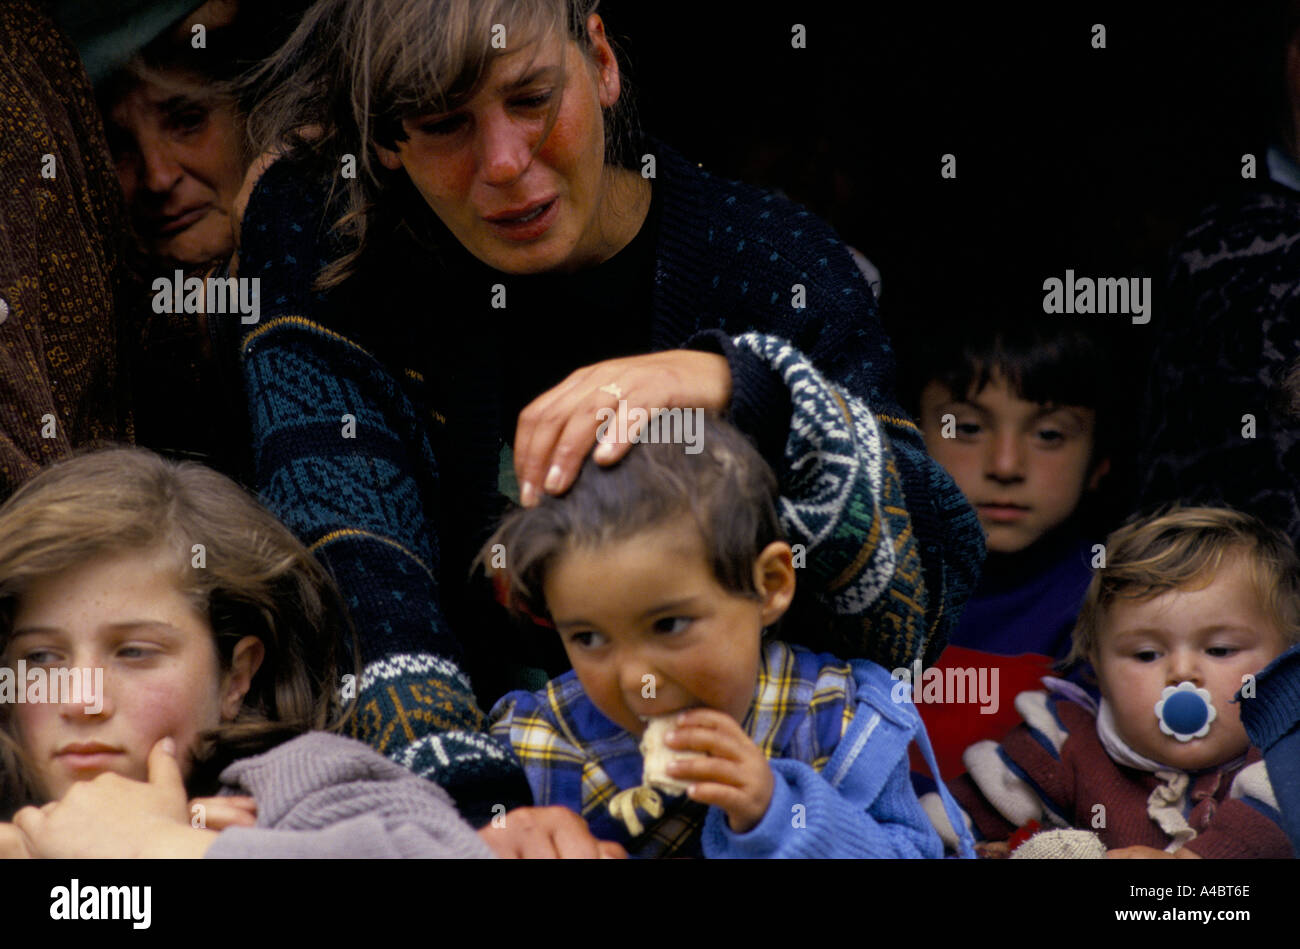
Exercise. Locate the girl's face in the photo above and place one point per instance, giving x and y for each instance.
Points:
(123, 614)
(517, 202)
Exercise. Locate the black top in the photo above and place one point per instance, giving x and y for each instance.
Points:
(551, 325)
(556, 323)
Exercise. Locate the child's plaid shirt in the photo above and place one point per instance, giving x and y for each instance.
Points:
(833, 731)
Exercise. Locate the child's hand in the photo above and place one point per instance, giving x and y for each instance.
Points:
(13, 845)
(113, 816)
(735, 776)
(218, 813)
(547, 832)
(1138, 853)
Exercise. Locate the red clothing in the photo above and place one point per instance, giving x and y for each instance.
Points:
(955, 726)
(1018, 623)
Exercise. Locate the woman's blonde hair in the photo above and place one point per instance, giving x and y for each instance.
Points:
(1182, 546)
(240, 567)
(354, 69)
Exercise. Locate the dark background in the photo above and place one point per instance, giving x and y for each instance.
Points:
(1067, 156)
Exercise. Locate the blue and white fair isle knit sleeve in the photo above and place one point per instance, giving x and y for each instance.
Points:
(842, 500)
(733, 259)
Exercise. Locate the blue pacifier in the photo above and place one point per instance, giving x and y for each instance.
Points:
(1185, 712)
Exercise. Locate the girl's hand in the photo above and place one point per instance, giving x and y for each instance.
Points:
(13, 845)
(218, 813)
(113, 816)
(735, 776)
(546, 832)
(557, 429)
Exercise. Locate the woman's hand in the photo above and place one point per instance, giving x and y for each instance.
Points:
(735, 776)
(558, 428)
(546, 832)
(251, 177)
(113, 816)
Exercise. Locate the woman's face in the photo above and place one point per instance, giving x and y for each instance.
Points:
(181, 164)
(518, 207)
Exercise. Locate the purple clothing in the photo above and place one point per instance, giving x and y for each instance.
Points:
(1027, 602)
(322, 795)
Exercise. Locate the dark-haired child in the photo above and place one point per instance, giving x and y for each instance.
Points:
(217, 639)
(1016, 412)
(660, 575)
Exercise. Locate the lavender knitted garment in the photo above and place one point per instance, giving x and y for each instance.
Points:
(326, 796)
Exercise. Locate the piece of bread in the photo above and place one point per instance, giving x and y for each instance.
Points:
(657, 755)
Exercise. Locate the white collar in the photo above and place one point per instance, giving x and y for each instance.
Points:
(1117, 748)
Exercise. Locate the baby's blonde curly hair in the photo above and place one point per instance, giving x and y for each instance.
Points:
(1185, 547)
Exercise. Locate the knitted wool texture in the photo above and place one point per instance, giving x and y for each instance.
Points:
(1227, 335)
(61, 219)
(351, 506)
(1054, 769)
(1061, 845)
(1272, 720)
(727, 257)
(732, 253)
(844, 503)
(326, 796)
(1277, 711)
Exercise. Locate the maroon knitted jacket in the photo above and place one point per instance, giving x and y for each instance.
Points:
(1084, 776)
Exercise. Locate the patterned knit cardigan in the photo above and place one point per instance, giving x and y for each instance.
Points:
(1227, 335)
(889, 538)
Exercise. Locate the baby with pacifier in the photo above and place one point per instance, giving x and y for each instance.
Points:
(1191, 604)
